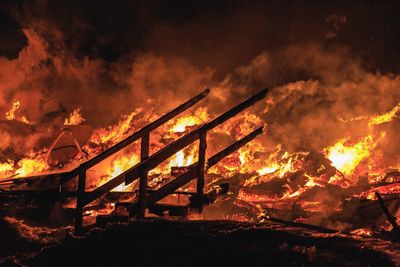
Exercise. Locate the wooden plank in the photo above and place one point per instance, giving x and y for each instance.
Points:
(185, 178)
(144, 154)
(80, 201)
(201, 164)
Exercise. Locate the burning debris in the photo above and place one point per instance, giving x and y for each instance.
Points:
(305, 186)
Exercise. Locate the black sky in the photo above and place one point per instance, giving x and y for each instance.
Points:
(220, 34)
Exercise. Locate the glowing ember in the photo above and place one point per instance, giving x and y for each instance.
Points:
(362, 232)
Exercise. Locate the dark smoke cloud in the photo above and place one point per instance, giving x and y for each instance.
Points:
(109, 58)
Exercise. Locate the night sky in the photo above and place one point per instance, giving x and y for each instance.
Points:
(220, 34)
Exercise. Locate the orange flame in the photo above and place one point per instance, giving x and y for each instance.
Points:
(75, 118)
(386, 117)
(10, 114)
(346, 156)
(30, 166)
(200, 116)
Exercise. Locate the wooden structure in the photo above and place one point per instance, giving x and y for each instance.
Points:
(148, 199)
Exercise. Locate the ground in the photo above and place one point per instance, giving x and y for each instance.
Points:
(207, 243)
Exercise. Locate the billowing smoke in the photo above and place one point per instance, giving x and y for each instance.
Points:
(51, 78)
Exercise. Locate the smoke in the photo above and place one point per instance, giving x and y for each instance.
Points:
(326, 82)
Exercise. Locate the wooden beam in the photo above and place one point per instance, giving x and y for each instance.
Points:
(161, 155)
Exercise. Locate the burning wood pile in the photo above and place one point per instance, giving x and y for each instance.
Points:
(339, 187)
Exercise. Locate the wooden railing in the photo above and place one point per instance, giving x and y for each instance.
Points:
(143, 134)
(149, 162)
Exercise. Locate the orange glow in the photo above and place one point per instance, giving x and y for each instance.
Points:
(117, 132)
(362, 232)
(119, 165)
(345, 156)
(10, 115)
(200, 116)
(75, 118)
(267, 177)
(386, 117)
(6, 168)
(30, 166)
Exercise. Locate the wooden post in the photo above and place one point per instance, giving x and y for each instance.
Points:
(80, 201)
(144, 154)
(201, 166)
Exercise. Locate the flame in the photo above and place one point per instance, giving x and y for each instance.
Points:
(119, 165)
(75, 118)
(184, 158)
(113, 134)
(6, 168)
(199, 117)
(255, 163)
(10, 114)
(386, 117)
(346, 156)
(30, 166)
(24, 167)
(273, 167)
